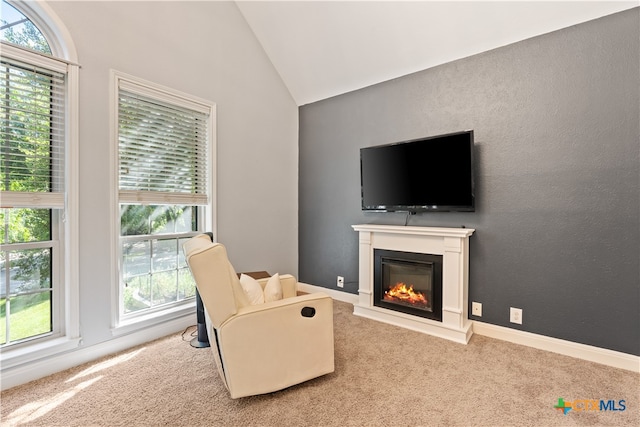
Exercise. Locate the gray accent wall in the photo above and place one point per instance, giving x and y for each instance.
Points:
(557, 147)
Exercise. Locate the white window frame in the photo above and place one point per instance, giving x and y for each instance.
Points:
(66, 334)
(123, 324)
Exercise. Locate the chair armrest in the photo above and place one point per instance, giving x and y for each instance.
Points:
(268, 307)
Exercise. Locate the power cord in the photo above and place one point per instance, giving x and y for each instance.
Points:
(406, 220)
(193, 333)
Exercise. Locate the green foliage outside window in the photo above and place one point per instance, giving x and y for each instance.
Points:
(22, 33)
(154, 271)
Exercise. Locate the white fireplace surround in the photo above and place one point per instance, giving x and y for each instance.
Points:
(452, 244)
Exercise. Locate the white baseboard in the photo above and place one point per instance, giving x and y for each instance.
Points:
(337, 295)
(603, 356)
(590, 353)
(34, 370)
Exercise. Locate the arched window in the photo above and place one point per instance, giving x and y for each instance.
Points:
(19, 30)
(38, 185)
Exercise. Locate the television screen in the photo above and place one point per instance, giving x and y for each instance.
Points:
(427, 174)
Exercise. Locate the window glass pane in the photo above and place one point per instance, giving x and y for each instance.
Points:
(165, 287)
(136, 258)
(25, 225)
(137, 220)
(17, 29)
(172, 219)
(186, 284)
(30, 270)
(187, 220)
(165, 255)
(137, 293)
(30, 315)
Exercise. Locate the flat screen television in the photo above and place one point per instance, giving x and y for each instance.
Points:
(420, 175)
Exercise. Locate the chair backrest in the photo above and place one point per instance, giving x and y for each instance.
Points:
(215, 278)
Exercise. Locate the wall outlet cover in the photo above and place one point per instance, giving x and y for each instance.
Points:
(515, 315)
(476, 309)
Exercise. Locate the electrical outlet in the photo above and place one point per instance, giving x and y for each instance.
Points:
(340, 282)
(476, 309)
(515, 315)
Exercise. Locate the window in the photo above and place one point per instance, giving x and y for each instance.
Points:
(20, 31)
(38, 287)
(32, 182)
(164, 161)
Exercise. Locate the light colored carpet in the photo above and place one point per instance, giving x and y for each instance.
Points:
(385, 376)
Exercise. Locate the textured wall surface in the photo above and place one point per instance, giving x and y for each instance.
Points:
(556, 121)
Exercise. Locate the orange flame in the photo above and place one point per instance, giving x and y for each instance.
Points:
(403, 293)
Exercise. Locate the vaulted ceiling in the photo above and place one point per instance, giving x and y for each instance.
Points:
(326, 48)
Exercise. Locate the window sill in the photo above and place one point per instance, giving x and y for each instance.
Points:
(11, 358)
(141, 322)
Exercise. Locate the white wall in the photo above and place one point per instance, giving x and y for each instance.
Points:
(205, 49)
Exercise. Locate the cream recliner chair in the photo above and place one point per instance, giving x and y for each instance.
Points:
(266, 347)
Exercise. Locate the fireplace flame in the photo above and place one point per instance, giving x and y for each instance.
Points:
(403, 293)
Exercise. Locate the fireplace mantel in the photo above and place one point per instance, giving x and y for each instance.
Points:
(452, 244)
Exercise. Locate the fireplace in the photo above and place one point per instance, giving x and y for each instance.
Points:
(438, 256)
(408, 282)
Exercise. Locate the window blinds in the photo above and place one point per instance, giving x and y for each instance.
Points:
(162, 149)
(32, 100)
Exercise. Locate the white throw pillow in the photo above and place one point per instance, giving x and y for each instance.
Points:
(273, 289)
(252, 289)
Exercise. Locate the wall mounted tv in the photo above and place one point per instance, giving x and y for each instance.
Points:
(420, 175)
